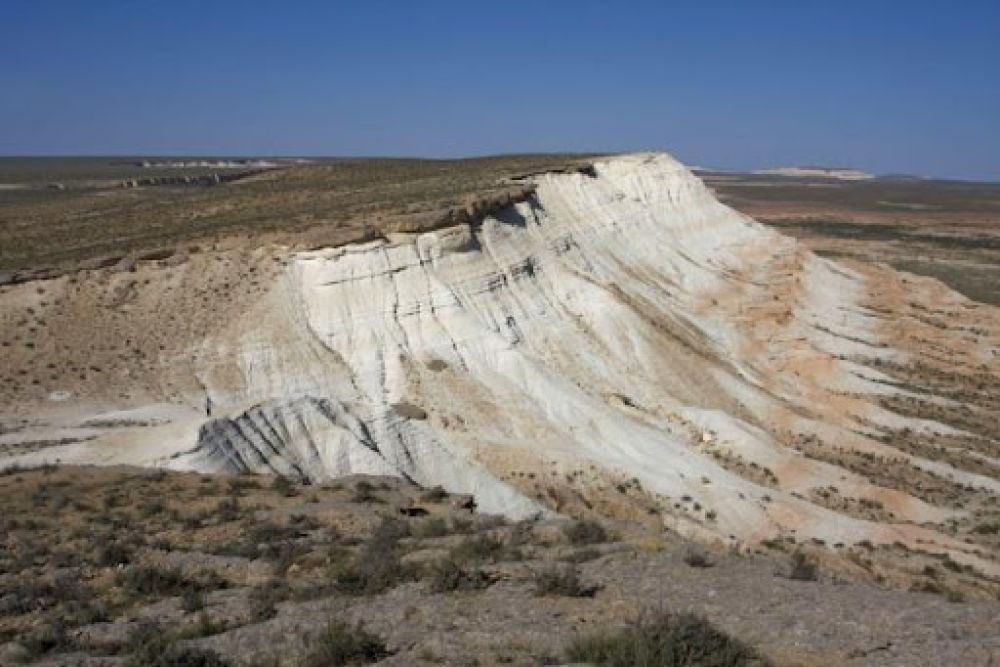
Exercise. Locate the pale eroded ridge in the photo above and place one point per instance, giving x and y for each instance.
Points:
(617, 329)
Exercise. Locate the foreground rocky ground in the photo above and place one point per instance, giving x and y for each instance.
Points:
(108, 566)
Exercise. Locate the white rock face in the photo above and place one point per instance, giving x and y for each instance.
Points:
(617, 327)
(840, 174)
(582, 326)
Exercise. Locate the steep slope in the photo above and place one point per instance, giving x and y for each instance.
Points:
(620, 342)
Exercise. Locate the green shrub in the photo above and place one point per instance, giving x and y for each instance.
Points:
(491, 522)
(205, 627)
(564, 581)
(581, 555)
(803, 568)
(267, 532)
(461, 525)
(143, 580)
(244, 482)
(484, 548)
(341, 644)
(447, 576)
(697, 558)
(192, 600)
(12, 469)
(151, 646)
(432, 527)
(228, 509)
(284, 487)
(585, 532)
(434, 494)
(52, 636)
(377, 566)
(152, 580)
(283, 555)
(364, 492)
(109, 552)
(667, 640)
(152, 508)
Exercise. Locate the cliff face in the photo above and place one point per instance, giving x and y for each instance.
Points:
(614, 340)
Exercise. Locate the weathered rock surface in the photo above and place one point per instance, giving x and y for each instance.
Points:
(611, 327)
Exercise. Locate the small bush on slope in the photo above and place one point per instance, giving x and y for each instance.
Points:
(695, 558)
(803, 568)
(585, 532)
(340, 644)
(435, 494)
(447, 576)
(563, 581)
(151, 580)
(152, 646)
(377, 566)
(484, 549)
(665, 640)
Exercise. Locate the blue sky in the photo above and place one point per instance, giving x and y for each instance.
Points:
(903, 86)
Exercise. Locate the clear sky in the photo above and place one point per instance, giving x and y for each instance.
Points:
(901, 86)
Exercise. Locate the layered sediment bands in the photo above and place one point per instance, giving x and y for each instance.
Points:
(305, 440)
(615, 340)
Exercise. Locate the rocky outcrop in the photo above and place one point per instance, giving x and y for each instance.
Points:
(471, 212)
(203, 180)
(612, 339)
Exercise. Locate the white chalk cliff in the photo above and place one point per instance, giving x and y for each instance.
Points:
(620, 327)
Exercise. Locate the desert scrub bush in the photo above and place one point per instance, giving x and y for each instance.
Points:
(803, 568)
(205, 626)
(238, 548)
(561, 580)
(683, 640)
(264, 599)
(364, 492)
(342, 644)
(267, 532)
(304, 522)
(244, 482)
(447, 576)
(283, 555)
(284, 487)
(430, 528)
(585, 532)
(435, 494)
(987, 528)
(490, 522)
(377, 567)
(697, 558)
(11, 470)
(53, 635)
(461, 525)
(107, 551)
(144, 580)
(152, 580)
(581, 555)
(151, 508)
(149, 645)
(266, 539)
(484, 548)
(776, 544)
(27, 593)
(192, 600)
(227, 509)
(206, 487)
